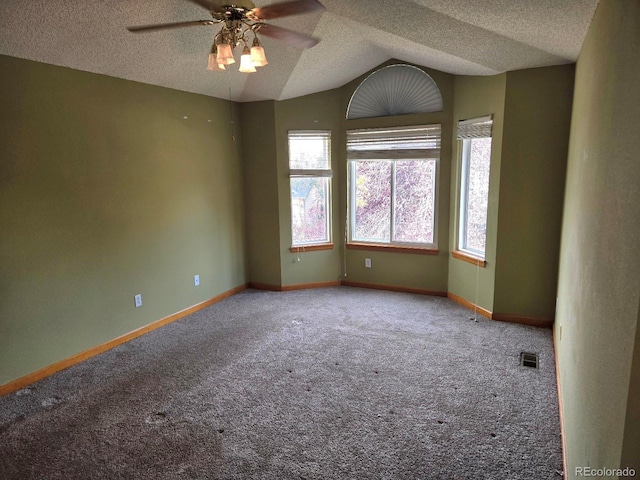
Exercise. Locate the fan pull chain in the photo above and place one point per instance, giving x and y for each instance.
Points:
(233, 126)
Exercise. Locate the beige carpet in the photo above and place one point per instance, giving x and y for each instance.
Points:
(341, 383)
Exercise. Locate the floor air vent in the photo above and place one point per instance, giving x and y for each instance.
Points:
(529, 359)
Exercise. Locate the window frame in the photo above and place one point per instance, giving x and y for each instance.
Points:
(462, 249)
(394, 156)
(325, 174)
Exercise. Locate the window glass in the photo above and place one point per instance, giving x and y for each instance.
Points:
(414, 201)
(474, 189)
(373, 201)
(310, 164)
(309, 215)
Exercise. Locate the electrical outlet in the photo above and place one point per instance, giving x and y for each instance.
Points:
(367, 262)
(138, 300)
(196, 280)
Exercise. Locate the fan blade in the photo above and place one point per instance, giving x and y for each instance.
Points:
(208, 4)
(165, 26)
(295, 39)
(287, 8)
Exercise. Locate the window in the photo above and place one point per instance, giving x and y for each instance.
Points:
(392, 185)
(474, 185)
(310, 172)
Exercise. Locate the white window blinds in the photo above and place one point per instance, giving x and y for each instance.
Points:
(422, 141)
(475, 128)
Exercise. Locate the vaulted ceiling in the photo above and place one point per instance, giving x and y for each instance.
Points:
(467, 37)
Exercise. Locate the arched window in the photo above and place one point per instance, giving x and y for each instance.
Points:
(395, 90)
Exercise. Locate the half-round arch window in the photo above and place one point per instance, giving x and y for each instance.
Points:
(395, 90)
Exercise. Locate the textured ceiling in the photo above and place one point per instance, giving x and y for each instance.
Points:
(469, 37)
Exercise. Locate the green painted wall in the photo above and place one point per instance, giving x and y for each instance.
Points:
(476, 97)
(537, 118)
(403, 269)
(531, 116)
(599, 276)
(106, 191)
(320, 111)
(258, 125)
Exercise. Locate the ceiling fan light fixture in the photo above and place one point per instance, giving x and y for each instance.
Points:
(246, 66)
(238, 22)
(258, 58)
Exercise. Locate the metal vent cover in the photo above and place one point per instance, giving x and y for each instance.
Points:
(395, 90)
(528, 359)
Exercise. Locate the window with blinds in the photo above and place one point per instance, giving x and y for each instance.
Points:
(393, 185)
(402, 142)
(475, 169)
(475, 128)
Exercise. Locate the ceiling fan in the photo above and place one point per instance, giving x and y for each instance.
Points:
(240, 20)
